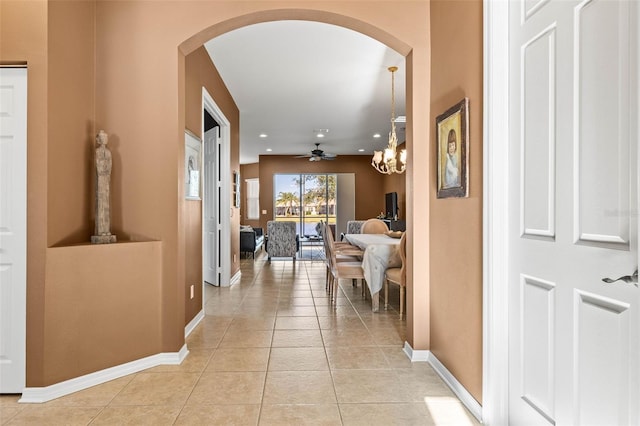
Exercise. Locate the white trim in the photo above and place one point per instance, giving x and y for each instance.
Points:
(415, 355)
(193, 323)
(465, 397)
(495, 354)
(236, 278)
(253, 198)
(13, 328)
(225, 197)
(47, 393)
(456, 387)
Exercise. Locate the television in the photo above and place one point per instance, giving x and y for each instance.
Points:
(391, 205)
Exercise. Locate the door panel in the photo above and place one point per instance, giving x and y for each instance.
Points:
(13, 228)
(573, 351)
(211, 213)
(538, 138)
(601, 36)
(537, 344)
(601, 364)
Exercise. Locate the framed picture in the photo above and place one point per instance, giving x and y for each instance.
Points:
(452, 145)
(192, 165)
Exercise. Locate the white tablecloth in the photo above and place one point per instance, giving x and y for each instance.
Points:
(380, 252)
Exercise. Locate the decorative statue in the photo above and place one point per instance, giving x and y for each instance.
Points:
(103, 177)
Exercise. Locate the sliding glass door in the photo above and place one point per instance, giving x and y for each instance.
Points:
(306, 199)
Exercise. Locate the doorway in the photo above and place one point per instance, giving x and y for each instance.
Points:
(558, 339)
(216, 251)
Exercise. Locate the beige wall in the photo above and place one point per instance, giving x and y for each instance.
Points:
(71, 124)
(456, 223)
(140, 98)
(102, 307)
(397, 183)
(368, 183)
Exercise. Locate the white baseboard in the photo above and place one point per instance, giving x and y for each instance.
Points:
(465, 397)
(415, 355)
(193, 323)
(47, 393)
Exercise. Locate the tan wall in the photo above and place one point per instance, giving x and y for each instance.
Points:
(103, 307)
(140, 96)
(368, 183)
(397, 183)
(247, 171)
(199, 73)
(456, 224)
(71, 122)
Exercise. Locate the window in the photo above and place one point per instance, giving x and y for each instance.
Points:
(253, 199)
(307, 199)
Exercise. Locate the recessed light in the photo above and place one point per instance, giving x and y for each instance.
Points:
(376, 135)
(361, 150)
(263, 135)
(320, 133)
(269, 150)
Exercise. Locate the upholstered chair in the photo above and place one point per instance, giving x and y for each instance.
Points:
(374, 226)
(354, 226)
(281, 240)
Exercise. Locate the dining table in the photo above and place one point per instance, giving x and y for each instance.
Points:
(380, 252)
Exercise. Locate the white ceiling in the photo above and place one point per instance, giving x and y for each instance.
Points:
(289, 78)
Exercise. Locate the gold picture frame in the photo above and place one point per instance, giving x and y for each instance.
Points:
(452, 151)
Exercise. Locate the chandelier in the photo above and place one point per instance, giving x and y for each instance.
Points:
(386, 162)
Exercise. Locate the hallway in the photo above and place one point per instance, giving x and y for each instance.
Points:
(272, 351)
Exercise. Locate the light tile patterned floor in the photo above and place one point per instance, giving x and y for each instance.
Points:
(272, 350)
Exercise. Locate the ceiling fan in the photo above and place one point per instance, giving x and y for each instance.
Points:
(318, 154)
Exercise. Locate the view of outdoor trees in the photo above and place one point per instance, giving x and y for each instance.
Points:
(307, 199)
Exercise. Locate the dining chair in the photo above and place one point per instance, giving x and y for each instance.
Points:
(344, 252)
(397, 275)
(374, 226)
(353, 227)
(339, 270)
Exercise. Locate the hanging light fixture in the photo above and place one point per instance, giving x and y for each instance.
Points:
(386, 162)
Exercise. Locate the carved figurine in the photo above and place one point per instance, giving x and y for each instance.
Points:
(103, 178)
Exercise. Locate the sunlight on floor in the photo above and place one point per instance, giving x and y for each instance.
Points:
(448, 411)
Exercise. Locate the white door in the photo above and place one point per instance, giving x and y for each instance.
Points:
(211, 264)
(573, 339)
(13, 228)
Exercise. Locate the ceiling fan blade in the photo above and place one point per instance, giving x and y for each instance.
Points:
(302, 156)
(327, 155)
(328, 158)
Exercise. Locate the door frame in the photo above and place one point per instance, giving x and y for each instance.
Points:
(209, 105)
(17, 194)
(495, 327)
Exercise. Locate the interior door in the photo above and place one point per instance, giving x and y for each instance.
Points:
(13, 228)
(573, 339)
(211, 212)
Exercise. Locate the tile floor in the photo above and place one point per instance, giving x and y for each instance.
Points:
(271, 350)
